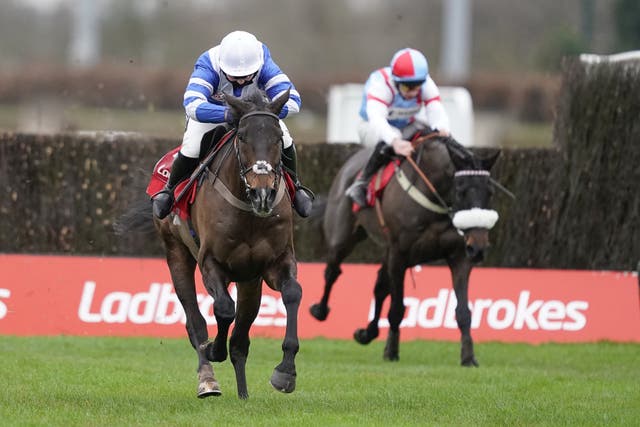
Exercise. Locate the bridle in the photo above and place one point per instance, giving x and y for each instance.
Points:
(480, 217)
(260, 167)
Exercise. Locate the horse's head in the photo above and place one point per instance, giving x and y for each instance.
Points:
(472, 195)
(258, 145)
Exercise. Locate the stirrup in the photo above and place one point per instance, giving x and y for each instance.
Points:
(358, 192)
(162, 203)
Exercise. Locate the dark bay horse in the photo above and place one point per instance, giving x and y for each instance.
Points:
(437, 209)
(243, 220)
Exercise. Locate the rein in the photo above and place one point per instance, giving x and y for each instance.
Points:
(442, 208)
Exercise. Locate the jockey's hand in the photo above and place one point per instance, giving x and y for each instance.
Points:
(229, 117)
(402, 147)
(444, 133)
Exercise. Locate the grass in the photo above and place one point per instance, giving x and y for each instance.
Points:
(75, 381)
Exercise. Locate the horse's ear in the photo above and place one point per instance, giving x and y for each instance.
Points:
(488, 162)
(238, 106)
(276, 106)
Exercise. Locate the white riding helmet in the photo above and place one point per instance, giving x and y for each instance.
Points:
(240, 54)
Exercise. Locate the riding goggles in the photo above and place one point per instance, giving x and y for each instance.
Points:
(409, 86)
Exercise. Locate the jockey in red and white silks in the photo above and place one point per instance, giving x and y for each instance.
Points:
(398, 100)
(386, 110)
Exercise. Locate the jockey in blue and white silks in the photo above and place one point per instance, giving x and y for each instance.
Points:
(398, 100)
(238, 66)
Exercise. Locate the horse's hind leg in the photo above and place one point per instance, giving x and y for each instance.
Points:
(249, 294)
(380, 292)
(460, 271)
(182, 268)
(337, 251)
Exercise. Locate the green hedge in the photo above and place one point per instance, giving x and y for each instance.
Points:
(577, 205)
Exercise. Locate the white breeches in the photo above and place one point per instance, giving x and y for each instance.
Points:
(195, 131)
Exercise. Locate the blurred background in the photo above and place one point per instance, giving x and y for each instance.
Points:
(122, 65)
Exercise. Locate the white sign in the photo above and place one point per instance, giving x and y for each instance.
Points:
(344, 106)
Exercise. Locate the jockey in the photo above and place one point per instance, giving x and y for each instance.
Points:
(239, 65)
(398, 101)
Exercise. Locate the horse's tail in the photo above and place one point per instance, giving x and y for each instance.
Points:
(317, 211)
(313, 224)
(138, 217)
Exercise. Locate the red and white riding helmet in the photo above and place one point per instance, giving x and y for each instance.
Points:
(409, 66)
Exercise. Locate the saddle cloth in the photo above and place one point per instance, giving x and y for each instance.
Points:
(160, 176)
(377, 184)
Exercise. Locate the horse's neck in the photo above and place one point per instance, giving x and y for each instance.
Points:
(436, 166)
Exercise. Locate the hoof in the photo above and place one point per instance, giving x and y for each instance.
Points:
(470, 363)
(281, 381)
(391, 357)
(392, 347)
(319, 312)
(362, 336)
(208, 388)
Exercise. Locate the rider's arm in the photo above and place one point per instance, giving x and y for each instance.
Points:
(378, 99)
(203, 82)
(433, 114)
(276, 83)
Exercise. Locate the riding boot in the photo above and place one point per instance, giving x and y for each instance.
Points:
(358, 190)
(303, 197)
(181, 169)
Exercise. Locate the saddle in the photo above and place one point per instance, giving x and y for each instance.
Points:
(185, 192)
(377, 184)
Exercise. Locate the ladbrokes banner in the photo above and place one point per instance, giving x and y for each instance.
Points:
(51, 295)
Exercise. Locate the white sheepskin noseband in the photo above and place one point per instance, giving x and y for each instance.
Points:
(475, 218)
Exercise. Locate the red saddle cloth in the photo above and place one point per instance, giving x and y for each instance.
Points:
(160, 176)
(377, 184)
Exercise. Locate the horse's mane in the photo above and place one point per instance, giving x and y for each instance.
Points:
(258, 98)
(461, 151)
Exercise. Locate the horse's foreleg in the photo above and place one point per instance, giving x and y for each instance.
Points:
(380, 292)
(223, 308)
(460, 272)
(182, 268)
(397, 269)
(284, 375)
(249, 294)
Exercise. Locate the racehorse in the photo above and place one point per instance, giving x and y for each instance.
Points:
(435, 207)
(242, 218)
